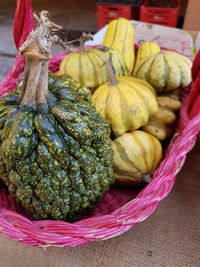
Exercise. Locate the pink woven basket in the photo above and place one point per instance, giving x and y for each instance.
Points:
(121, 208)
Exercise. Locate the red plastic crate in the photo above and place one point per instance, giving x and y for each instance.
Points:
(160, 15)
(106, 13)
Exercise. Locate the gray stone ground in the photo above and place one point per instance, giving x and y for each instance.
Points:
(75, 16)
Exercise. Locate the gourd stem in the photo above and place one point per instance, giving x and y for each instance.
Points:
(82, 48)
(112, 77)
(25, 79)
(85, 37)
(36, 50)
(146, 178)
(42, 90)
(33, 84)
(155, 39)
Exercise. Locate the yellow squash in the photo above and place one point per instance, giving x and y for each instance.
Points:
(126, 102)
(165, 71)
(146, 49)
(85, 67)
(161, 123)
(136, 155)
(88, 66)
(120, 36)
(117, 61)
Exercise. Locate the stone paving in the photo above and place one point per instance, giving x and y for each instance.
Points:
(74, 16)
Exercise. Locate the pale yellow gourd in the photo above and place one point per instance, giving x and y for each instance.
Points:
(146, 49)
(120, 36)
(126, 102)
(87, 65)
(166, 71)
(136, 155)
(161, 123)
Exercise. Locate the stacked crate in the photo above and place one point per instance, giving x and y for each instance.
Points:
(109, 10)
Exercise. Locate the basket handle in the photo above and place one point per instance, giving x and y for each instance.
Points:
(23, 21)
(194, 97)
(23, 25)
(196, 66)
(194, 100)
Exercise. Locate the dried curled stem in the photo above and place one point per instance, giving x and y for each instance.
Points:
(85, 37)
(37, 52)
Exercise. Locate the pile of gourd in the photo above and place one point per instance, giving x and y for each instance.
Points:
(139, 97)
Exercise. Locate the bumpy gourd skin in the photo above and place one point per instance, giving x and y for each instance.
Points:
(56, 158)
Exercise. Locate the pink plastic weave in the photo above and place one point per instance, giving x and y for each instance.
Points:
(121, 208)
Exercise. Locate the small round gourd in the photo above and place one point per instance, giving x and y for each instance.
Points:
(146, 49)
(165, 71)
(87, 65)
(126, 102)
(136, 155)
(161, 123)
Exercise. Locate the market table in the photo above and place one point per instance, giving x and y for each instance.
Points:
(170, 237)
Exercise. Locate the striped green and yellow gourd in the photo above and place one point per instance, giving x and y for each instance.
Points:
(136, 155)
(87, 66)
(126, 102)
(55, 152)
(120, 36)
(117, 61)
(146, 49)
(165, 71)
